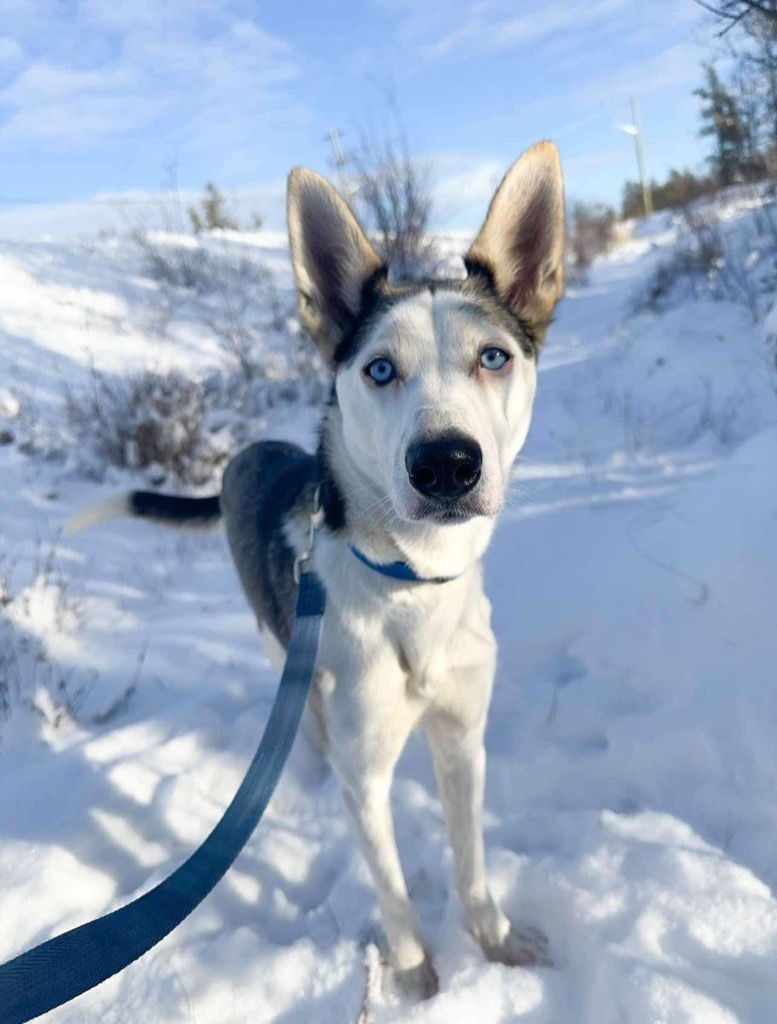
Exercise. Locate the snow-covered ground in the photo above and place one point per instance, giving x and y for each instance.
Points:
(632, 792)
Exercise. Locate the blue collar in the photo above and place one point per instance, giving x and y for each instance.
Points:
(399, 570)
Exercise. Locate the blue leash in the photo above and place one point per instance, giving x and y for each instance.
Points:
(62, 968)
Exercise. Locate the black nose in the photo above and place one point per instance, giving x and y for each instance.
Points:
(446, 467)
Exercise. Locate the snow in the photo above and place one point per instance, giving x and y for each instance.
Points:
(631, 801)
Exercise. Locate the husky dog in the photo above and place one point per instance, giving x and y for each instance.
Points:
(433, 391)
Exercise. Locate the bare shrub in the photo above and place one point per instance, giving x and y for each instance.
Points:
(292, 376)
(705, 261)
(31, 679)
(172, 427)
(392, 194)
(703, 235)
(243, 309)
(695, 262)
(174, 263)
(28, 676)
(660, 285)
(149, 421)
(724, 418)
(233, 295)
(30, 430)
(183, 431)
(737, 278)
(765, 216)
(591, 231)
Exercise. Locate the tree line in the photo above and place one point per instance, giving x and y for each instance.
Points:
(738, 109)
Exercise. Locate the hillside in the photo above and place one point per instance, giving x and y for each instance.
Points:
(631, 802)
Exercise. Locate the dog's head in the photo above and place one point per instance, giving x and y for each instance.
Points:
(434, 382)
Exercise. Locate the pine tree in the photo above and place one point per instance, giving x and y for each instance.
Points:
(747, 88)
(215, 209)
(750, 30)
(213, 214)
(759, 30)
(722, 120)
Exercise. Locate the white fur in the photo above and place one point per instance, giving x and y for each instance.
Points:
(435, 341)
(396, 657)
(117, 507)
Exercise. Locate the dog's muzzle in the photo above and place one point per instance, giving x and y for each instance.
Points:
(444, 468)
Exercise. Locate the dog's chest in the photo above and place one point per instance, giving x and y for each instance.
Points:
(423, 635)
(421, 642)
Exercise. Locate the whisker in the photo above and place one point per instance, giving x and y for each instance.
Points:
(522, 491)
(358, 490)
(374, 512)
(376, 507)
(388, 515)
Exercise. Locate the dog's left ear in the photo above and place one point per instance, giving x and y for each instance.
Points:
(521, 244)
(331, 256)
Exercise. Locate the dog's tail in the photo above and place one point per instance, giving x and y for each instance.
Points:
(168, 509)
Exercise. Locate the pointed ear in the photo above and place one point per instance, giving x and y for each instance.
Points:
(331, 256)
(521, 245)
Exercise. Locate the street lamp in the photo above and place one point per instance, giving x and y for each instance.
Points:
(634, 130)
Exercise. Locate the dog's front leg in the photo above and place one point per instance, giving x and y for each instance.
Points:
(460, 765)
(367, 801)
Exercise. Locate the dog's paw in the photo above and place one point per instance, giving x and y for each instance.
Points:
(417, 983)
(523, 946)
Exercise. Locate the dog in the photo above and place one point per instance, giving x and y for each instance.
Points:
(433, 388)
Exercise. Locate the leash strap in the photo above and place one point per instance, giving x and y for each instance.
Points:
(62, 968)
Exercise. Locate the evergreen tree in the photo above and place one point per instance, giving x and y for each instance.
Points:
(213, 214)
(750, 29)
(759, 56)
(722, 120)
(754, 116)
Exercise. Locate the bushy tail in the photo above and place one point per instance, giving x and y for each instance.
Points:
(168, 509)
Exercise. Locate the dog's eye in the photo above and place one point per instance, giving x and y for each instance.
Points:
(494, 358)
(381, 371)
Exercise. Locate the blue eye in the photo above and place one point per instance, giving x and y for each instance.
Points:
(381, 371)
(494, 358)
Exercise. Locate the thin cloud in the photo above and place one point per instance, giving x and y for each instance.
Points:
(674, 66)
(489, 26)
(10, 52)
(51, 103)
(200, 79)
(463, 186)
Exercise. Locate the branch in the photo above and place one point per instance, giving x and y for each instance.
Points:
(727, 11)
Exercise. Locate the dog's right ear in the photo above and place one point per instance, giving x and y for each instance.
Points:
(331, 256)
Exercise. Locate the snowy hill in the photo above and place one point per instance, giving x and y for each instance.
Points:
(631, 800)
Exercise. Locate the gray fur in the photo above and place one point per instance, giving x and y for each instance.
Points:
(262, 488)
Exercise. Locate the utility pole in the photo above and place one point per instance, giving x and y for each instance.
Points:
(647, 198)
(635, 131)
(340, 162)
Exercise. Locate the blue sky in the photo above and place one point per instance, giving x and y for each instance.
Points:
(100, 99)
